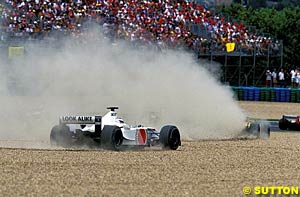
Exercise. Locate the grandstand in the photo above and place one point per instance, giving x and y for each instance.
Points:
(163, 24)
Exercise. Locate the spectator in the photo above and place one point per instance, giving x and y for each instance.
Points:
(268, 78)
(293, 78)
(274, 78)
(165, 24)
(297, 78)
(281, 78)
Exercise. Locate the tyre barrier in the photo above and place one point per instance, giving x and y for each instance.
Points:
(243, 93)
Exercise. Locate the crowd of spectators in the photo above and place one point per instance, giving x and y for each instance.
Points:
(163, 23)
(283, 78)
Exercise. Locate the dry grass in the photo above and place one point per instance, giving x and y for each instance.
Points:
(203, 168)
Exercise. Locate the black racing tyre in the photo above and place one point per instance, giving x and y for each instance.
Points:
(254, 128)
(111, 137)
(60, 136)
(283, 124)
(264, 130)
(170, 137)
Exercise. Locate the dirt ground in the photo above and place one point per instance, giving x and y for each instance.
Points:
(268, 110)
(204, 168)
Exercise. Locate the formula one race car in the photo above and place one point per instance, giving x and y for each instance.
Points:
(289, 122)
(111, 132)
(258, 128)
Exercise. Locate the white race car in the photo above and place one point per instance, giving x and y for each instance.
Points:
(111, 132)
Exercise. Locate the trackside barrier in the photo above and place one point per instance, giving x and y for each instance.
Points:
(266, 94)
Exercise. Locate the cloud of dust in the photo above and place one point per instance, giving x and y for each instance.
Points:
(150, 87)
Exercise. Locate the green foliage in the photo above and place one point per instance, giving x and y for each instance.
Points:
(290, 34)
(284, 25)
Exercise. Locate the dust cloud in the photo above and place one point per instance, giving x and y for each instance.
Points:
(84, 76)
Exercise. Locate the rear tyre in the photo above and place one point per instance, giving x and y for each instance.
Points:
(60, 136)
(283, 124)
(170, 137)
(111, 137)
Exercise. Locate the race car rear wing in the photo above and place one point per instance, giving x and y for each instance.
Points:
(80, 120)
(289, 117)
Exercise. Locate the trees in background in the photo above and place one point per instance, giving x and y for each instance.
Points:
(277, 4)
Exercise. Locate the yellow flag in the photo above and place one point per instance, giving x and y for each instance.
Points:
(14, 52)
(230, 47)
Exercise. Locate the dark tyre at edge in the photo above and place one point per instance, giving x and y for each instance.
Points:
(170, 137)
(283, 124)
(111, 137)
(60, 136)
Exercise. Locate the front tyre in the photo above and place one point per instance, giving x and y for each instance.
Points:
(283, 124)
(111, 137)
(170, 137)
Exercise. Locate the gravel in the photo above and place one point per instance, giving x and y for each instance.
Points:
(203, 168)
